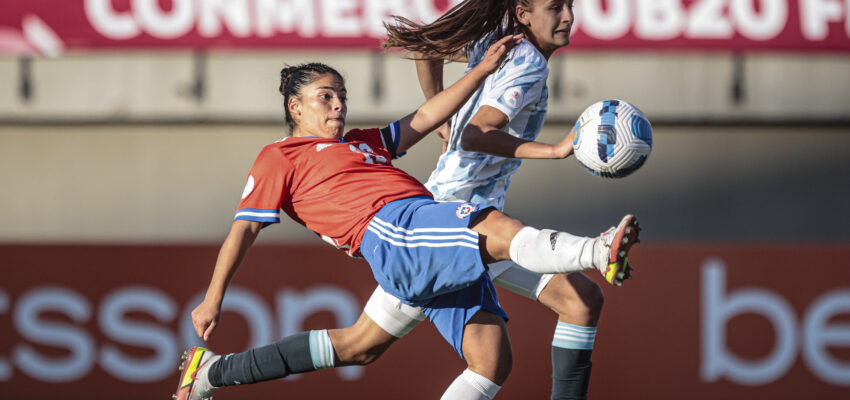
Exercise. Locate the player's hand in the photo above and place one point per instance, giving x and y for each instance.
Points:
(205, 318)
(498, 51)
(565, 147)
(444, 132)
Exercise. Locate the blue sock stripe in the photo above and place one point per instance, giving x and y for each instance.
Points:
(569, 336)
(321, 349)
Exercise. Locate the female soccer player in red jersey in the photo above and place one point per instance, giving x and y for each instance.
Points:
(428, 254)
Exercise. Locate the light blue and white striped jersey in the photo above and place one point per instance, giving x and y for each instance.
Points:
(518, 89)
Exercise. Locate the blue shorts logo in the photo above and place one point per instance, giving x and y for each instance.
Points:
(463, 210)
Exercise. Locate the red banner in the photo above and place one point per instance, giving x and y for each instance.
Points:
(697, 322)
(52, 27)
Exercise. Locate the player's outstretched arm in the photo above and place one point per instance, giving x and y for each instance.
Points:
(484, 134)
(242, 234)
(439, 108)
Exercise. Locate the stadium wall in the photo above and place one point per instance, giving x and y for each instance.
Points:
(181, 184)
(698, 322)
(218, 86)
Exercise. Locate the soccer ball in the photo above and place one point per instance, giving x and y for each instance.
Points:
(612, 139)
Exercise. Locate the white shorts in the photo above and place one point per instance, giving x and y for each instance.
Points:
(398, 318)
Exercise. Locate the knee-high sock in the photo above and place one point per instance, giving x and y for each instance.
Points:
(302, 352)
(550, 252)
(471, 386)
(572, 346)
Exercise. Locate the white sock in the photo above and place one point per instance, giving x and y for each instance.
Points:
(551, 252)
(471, 386)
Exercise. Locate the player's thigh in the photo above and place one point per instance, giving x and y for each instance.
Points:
(487, 347)
(576, 298)
(517, 279)
(391, 314)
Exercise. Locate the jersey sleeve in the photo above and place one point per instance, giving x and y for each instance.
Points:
(390, 136)
(519, 83)
(386, 138)
(266, 188)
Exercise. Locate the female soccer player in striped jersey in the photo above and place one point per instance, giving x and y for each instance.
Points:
(486, 141)
(344, 188)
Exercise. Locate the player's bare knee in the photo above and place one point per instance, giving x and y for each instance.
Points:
(487, 348)
(595, 299)
(586, 308)
(367, 356)
(506, 364)
(354, 346)
(575, 298)
(355, 353)
(496, 230)
(497, 371)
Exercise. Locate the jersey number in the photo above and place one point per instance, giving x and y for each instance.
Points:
(368, 155)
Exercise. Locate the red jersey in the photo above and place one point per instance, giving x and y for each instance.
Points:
(332, 187)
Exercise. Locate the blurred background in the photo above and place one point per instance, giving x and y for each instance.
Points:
(127, 128)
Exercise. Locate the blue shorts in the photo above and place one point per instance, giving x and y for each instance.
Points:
(423, 252)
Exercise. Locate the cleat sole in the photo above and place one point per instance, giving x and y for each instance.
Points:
(618, 268)
(189, 365)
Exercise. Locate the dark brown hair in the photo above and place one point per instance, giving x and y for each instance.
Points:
(293, 78)
(465, 23)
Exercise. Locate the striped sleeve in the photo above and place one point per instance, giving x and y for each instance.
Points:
(390, 136)
(258, 215)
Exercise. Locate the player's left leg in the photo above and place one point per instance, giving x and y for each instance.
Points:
(487, 351)
(359, 344)
(578, 302)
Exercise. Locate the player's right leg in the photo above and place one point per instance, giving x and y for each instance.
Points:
(473, 323)
(548, 251)
(578, 302)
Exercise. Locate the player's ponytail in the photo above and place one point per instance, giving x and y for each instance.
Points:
(293, 78)
(466, 23)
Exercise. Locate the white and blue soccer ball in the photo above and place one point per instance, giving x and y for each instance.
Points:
(613, 138)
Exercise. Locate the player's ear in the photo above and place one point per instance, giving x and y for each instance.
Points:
(294, 106)
(521, 13)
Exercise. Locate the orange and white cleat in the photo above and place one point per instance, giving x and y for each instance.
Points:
(194, 383)
(611, 250)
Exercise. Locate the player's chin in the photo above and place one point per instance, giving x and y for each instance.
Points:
(561, 39)
(336, 129)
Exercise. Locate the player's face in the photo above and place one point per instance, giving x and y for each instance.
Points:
(549, 23)
(320, 108)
